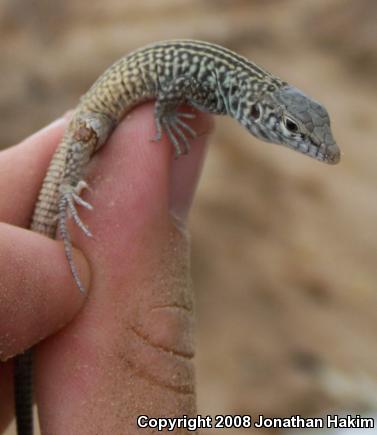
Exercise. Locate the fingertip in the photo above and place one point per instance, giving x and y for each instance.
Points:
(38, 294)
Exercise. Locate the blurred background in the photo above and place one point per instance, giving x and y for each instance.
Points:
(284, 249)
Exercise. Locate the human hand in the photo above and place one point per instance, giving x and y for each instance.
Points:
(129, 349)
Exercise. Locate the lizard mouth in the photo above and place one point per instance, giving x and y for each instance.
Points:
(324, 153)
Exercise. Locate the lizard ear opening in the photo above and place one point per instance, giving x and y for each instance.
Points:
(256, 112)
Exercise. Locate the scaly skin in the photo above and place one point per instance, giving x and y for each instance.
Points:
(203, 75)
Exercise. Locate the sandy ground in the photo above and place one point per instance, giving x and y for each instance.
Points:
(284, 248)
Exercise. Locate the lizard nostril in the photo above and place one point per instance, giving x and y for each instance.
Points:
(333, 154)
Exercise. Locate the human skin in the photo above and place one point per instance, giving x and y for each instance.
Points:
(126, 347)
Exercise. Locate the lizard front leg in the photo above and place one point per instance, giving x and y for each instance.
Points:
(170, 96)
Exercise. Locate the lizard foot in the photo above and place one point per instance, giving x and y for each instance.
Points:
(69, 198)
(70, 195)
(177, 130)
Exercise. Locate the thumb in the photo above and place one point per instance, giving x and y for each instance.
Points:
(129, 352)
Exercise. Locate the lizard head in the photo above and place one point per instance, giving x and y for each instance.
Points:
(288, 117)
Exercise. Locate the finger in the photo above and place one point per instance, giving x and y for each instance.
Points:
(23, 168)
(33, 304)
(34, 301)
(131, 346)
(37, 293)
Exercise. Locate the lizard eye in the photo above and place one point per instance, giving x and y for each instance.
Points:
(291, 125)
(255, 112)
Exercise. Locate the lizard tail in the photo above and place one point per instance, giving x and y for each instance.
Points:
(23, 393)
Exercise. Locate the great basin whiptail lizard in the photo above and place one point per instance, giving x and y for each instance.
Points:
(206, 76)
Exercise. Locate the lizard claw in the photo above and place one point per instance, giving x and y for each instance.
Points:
(80, 186)
(75, 216)
(78, 200)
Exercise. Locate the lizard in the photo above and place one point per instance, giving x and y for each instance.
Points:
(203, 75)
